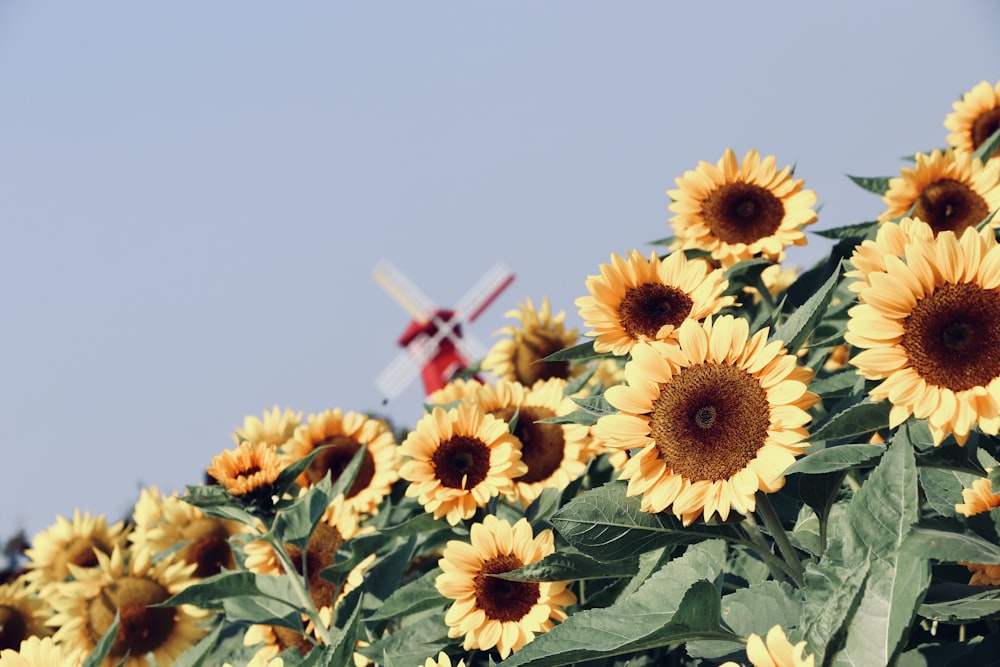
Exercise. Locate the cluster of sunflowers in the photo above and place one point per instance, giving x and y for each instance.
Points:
(736, 463)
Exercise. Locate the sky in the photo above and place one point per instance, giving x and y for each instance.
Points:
(193, 195)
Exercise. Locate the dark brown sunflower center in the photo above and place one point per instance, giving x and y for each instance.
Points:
(141, 628)
(248, 472)
(710, 421)
(528, 366)
(645, 309)
(320, 553)
(542, 445)
(500, 599)
(947, 205)
(13, 628)
(461, 462)
(208, 547)
(952, 336)
(288, 638)
(984, 127)
(742, 212)
(334, 459)
(81, 552)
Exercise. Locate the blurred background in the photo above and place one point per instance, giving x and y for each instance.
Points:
(193, 195)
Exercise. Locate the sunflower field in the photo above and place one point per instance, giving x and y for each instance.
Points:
(734, 463)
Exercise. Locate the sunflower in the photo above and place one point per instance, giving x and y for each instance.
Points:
(948, 190)
(163, 523)
(492, 612)
(711, 421)
(776, 652)
(128, 585)
(75, 542)
(638, 299)
(258, 661)
(980, 498)
(519, 356)
(274, 429)
(250, 469)
(737, 211)
(975, 117)
(40, 652)
(929, 329)
(22, 613)
(343, 435)
(458, 460)
(555, 454)
(443, 660)
(891, 239)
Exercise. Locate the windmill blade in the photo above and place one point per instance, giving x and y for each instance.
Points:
(483, 292)
(404, 291)
(401, 371)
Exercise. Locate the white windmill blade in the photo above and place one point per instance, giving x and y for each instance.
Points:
(401, 371)
(404, 291)
(483, 292)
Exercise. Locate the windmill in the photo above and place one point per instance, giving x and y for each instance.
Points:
(433, 343)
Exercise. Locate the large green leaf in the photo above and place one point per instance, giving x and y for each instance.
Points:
(294, 524)
(858, 230)
(256, 598)
(576, 353)
(832, 590)
(943, 488)
(566, 566)
(859, 419)
(794, 331)
(877, 184)
(951, 547)
(412, 643)
(751, 610)
(836, 458)
(960, 604)
(416, 596)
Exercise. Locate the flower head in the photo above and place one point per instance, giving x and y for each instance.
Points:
(23, 613)
(41, 652)
(251, 468)
(975, 117)
(519, 356)
(274, 429)
(75, 542)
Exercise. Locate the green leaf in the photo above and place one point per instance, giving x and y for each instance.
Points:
(943, 488)
(862, 418)
(794, 331)
(858, 230)
(598, 405)
(876, 184)
(103, 646)
(570, 566)
(607, 525)
(838, 384)
(416, 596)
(986, 149)
(286, 482)
(950, 547)
(836, 458)
(215, 501)
(543, 507)
(412, 643)
(342, 485)
(745, 273)
(832, 591)
(295, 523)
(200, 655)
(256, 598)
(581, 416)
(752, 610)
(578, 352)
(954, 603)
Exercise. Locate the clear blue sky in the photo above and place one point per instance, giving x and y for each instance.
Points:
(193, 194)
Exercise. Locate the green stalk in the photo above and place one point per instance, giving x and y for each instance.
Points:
(755, 540)
(771, 521)
(298, 584)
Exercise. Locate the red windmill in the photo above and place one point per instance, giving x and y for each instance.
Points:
(433, 342)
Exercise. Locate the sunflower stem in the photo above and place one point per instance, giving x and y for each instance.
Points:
(765, 294)
(298, 583)
(779, 570)
(773, 523)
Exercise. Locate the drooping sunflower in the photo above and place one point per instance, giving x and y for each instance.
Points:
(739, 210)
(555, 454)
(343, 434)
(775, 651)
(23, 613)
(491, 612)
(980, 498)
(948, 190)
(975, 117)
(164, 522)
(637, 299)
(891, 239)
(40, 652)
(929, 328)
(274, 429)
(250, 468)
(458, 460)
(67, 543)
(710, 422)
(128, 584)
(519, 356)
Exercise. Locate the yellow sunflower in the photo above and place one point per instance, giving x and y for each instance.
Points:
(457, 390)
(975, 117)
(492, 612)
(929, 328)
(458, 460)
(443, 660)
(555, 454)
(40, 652)
(891, 239)
(637, 299)
(128, 584)
(68, 543)
(23, 613)
(709, 422)
(980, 498)
(162, 523)
(518, 357)
(343, 434)
(274, 429)
(776, 652)
(251, 468)
(737, 211)
(948, 190)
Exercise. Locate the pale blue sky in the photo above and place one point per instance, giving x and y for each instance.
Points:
(193, 194)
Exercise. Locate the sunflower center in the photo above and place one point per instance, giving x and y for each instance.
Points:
(461, 462)
(952, 336)
(13, 628)
(141, 628)
(320, 553)
(542, 445)
(335, 458)
(80, 552)
(947, 205)
(984, 127)
(645, 309)
(288, 638)
(208, 547)
(742, 212)
(710, 421)
(528, 365)
(248, 472)
(503, 600)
